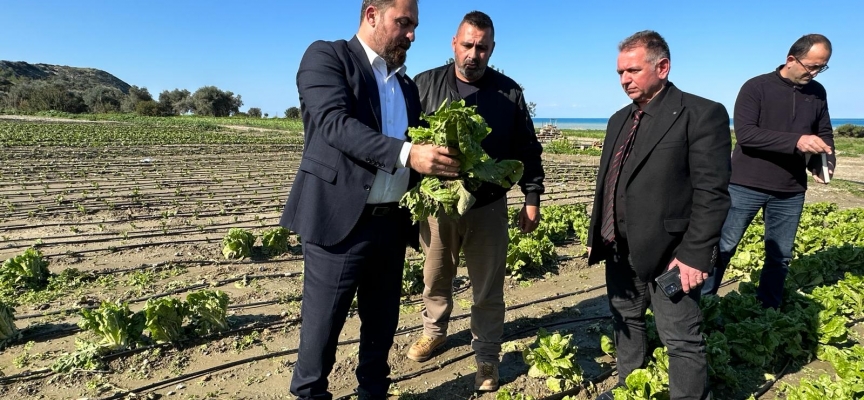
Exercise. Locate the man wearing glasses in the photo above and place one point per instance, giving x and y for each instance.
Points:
(780, 118)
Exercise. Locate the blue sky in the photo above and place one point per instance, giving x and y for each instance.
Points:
(563, 52)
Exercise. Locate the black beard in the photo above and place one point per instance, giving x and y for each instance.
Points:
(472, 74)
(394, 52)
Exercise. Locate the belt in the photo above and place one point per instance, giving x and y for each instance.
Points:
(380, 210)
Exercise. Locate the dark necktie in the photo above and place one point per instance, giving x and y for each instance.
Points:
(607, 230)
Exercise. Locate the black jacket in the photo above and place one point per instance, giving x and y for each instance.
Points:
(343, 147)
(771, 114)
(677, 196)
(501, 103)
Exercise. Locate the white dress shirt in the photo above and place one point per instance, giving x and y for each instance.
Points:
(394, 123)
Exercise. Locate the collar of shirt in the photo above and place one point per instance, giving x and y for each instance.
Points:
(378, 63)
(389, 187)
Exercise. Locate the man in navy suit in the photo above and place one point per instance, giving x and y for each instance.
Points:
(357, 104)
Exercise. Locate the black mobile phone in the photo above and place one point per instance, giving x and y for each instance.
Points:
(670, 282)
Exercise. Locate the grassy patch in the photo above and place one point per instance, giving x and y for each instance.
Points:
(289, 124)
(855, 188)
(584, 133)
(565, 146)
(849, 147)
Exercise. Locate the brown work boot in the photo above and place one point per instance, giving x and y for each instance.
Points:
(486, 379)
(423, 348)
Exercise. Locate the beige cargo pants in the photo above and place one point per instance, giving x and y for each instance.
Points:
(482, 236)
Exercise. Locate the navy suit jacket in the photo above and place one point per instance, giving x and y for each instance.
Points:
(677, 195)
(344, 146)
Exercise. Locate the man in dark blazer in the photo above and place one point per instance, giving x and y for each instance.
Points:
(660, 202)
(357, 104)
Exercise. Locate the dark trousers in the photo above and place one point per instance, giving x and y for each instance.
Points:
(781, 213)
(369, 263)
(678, 321)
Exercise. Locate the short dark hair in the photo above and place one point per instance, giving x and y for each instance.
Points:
(655, 46)
(803, 45)
(479, 20)
(378, 4)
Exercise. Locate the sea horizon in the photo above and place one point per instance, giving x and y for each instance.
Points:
(600, 123)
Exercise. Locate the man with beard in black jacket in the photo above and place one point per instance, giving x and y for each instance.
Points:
(780, 118)
(482, 233)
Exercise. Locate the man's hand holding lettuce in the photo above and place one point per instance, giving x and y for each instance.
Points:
(457, 126)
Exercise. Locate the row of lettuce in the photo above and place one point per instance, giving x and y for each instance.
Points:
(166, 320)
(746, 343)
(823, 300)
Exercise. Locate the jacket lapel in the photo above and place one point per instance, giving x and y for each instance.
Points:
(362, 61)
(613, 129)
(669, 112)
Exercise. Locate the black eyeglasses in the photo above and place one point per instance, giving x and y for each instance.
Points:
(812, 69)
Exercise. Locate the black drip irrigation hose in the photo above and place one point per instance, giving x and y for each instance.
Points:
(186, 377)
(241, 210)
(768, 385)
(160, 266)
(510, 308)
(114, 249)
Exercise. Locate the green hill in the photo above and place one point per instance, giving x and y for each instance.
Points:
(76, 79)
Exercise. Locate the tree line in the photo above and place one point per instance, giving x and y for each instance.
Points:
(36, 96)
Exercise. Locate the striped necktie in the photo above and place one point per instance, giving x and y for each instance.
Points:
(607, 230)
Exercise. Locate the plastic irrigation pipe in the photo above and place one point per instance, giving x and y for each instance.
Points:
(768, 385)
(171, 292)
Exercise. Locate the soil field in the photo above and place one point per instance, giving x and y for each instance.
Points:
(148, 219)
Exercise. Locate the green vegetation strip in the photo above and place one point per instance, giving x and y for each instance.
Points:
(34, 133)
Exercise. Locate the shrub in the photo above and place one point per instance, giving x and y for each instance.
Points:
(293, 113)
(148, 108)
(849, 130)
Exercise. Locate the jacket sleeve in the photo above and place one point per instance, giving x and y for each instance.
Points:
(709, 175)
(747, 131)
(423, 89)
(528, 150)
(330, 108)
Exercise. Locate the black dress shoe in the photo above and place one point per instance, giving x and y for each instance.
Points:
(364, 395)
(605, 396)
